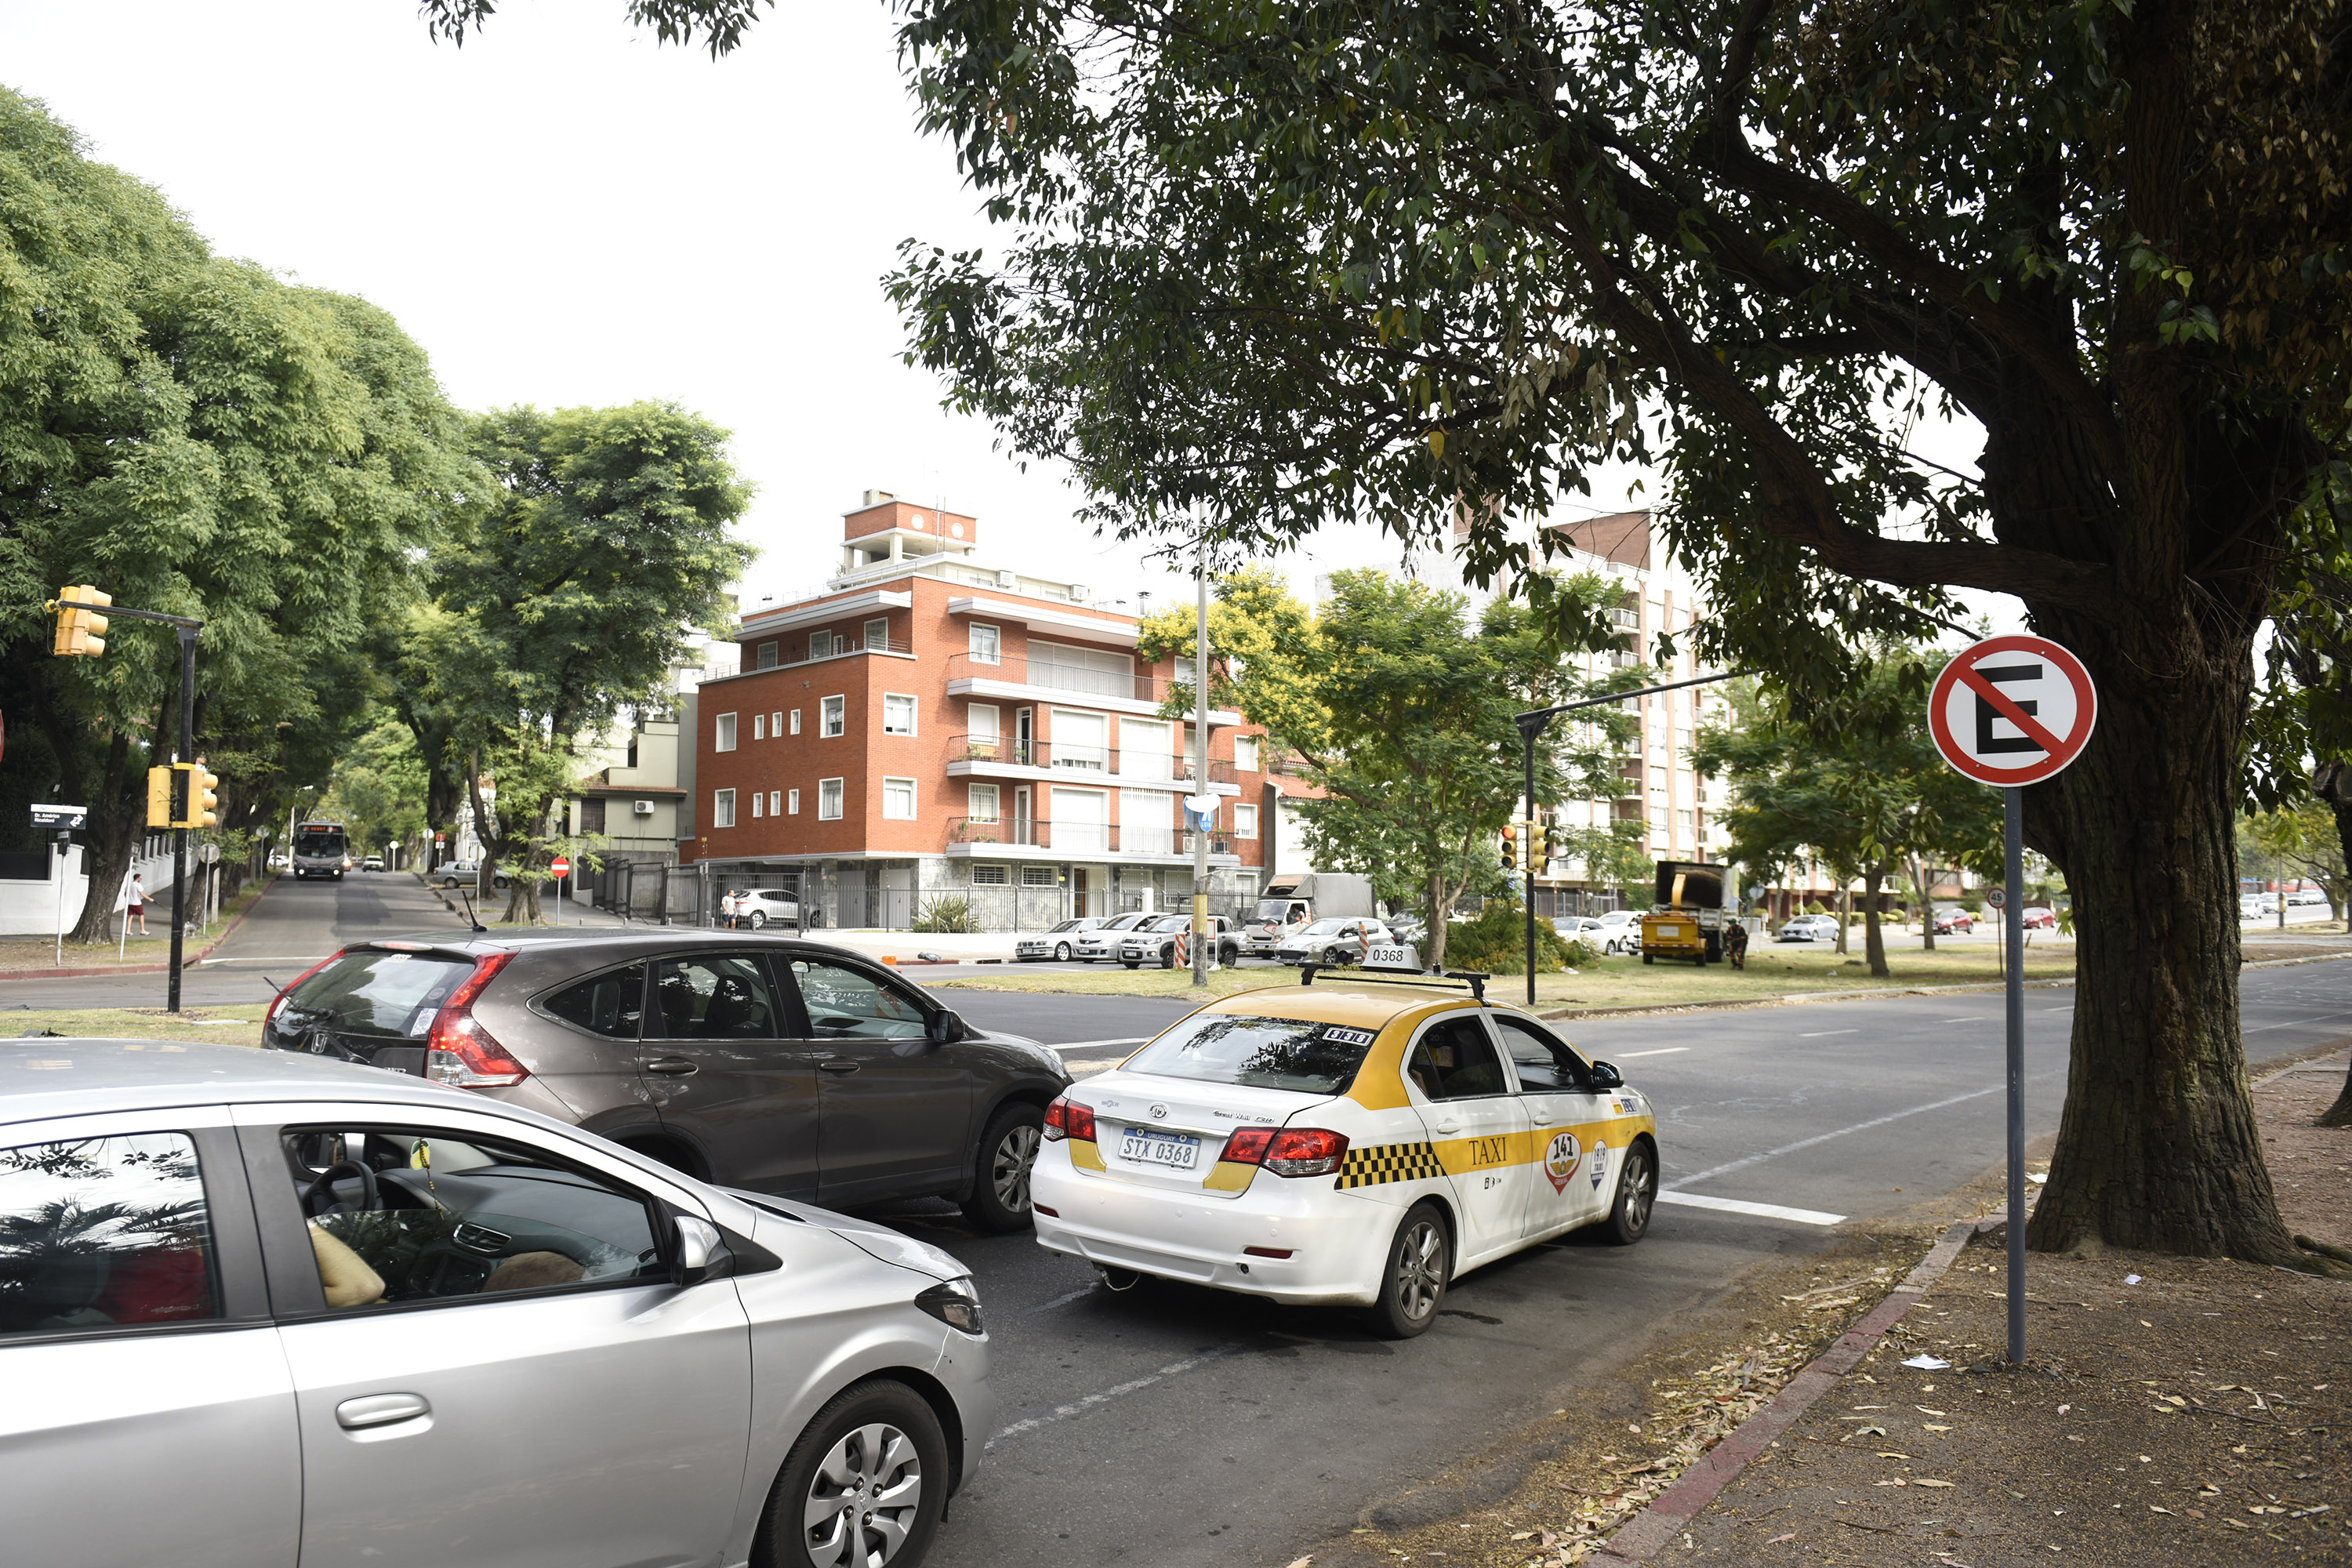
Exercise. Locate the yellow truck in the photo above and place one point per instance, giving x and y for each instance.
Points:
(1687, 919)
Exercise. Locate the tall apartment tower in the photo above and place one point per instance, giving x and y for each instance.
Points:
(933, 726)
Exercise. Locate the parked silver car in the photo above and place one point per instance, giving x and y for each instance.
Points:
(1100, 943)
(306, 1313)
(1341, 939)
(1154, 941)
(1809, 928)
(1060, 943)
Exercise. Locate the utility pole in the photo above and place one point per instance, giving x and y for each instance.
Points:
(1201, 936)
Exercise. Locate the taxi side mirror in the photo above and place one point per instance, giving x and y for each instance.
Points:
(1606, 1076)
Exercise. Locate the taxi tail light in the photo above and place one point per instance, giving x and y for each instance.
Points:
(458, 1050)
(279, 1001)
(1288, 1150)
(1066, 1118)
(1305, 1151)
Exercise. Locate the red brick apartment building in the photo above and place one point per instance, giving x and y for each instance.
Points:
(933, 727)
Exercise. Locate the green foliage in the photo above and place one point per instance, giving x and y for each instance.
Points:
(378, 788)
(2305, 840)
(196, 437)
(948, 912)
(561, 599)
(1497, 943)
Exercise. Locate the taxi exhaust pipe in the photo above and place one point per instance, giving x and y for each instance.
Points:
(1116, 1279)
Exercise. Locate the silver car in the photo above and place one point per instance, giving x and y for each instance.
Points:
(1100, 943)
(304, 1311)
(1058, 943)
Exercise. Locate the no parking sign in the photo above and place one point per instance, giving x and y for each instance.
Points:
(2012, 710)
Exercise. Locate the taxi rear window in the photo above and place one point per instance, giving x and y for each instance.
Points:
(1262, 1053)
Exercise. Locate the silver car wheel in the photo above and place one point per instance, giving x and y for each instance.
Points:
(1062, 949)
(1420, 1270)
(1008, 1167)
(864, 1499)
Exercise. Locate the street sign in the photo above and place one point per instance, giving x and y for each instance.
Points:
(558, 868)
(208, 853)
(59, 815)
(1996, 897)
(2012, 710)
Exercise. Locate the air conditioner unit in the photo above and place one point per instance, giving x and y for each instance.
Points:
(1077, 593)
(640, 809)
(1007, 580)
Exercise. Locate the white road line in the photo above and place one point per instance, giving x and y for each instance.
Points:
(1742, 1164)
(1971, 1018)
(1823, 1034)
(1669, 1051)
(1063, 1301)
(1091, 1045)
(1133, 1385)
(1762, 1211)
(301, 958)
(2295, 1024)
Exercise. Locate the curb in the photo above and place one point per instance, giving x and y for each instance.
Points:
(1653, 1529)
(187, 960)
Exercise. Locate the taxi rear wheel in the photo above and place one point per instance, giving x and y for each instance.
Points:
(1637, 1195)
(1413, 1285)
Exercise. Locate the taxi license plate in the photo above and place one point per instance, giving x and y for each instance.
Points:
(1174, 1149)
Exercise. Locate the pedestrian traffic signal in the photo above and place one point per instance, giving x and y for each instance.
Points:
(80, 632)
(159, 796)
(1511, 849)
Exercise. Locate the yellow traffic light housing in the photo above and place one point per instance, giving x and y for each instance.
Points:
(1538, 847)
(159, 797)
(191, 795)
(80, 632)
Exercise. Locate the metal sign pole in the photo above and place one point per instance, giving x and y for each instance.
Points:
(2012, 924)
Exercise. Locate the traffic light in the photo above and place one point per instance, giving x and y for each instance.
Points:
(1538, 846)
(80, 633)
(159, 796)
(1511, 849)
(192, 796)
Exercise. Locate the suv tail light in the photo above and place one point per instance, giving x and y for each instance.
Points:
(1288, 1150)
(279, 1001)
(1066, 1118)
(458, 1050)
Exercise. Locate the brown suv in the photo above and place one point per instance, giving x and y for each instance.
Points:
(770, 1063)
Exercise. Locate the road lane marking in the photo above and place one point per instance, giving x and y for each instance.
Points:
(1971, 1018)
(1091, 1045)
(1823, 1034)
(1762, 1211)
(2295, 1023)
(1741, 1164)
(1096, 1400)
(1669, 1051)
(1062, 1300)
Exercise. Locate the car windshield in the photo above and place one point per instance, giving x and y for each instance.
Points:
(369, 990)
(1124, 922)
(1262, 1053)
(1327, 928)
(1166, 922)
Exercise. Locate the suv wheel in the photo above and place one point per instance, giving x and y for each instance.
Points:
(758, 919)
(999, 1179)
(866, 1484)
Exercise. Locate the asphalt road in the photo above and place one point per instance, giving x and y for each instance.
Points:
(1175, 1425)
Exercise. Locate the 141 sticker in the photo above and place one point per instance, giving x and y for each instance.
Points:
(1560, 1160)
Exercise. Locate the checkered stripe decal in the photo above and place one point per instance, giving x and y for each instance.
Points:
(1380, 1163)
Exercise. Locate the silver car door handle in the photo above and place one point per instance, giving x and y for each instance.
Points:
(381, 1410)
(839, 1066)
(671, 1067)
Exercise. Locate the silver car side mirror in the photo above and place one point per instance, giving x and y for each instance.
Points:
(701, 1252)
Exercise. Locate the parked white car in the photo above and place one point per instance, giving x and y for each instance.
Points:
(760, 908)
(1060, 943)
(1100, 943)
(1620, 931)
(1809, 928)
(2304, 898)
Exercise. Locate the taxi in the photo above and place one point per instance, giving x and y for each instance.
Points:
(1361, 1139)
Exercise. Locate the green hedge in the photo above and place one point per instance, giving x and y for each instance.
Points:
(1496, 942)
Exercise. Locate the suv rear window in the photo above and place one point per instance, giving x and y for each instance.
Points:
(1262, 1053)
(371, 992)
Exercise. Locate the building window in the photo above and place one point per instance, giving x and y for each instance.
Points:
(982, 805)
(828, 800)
(796, 720)
(792, 803)
(820, 645)
(725, 741)
(756, 803)
(759, 726)
(898, 799)
(592, 815)
(1038, 877)
(767, 659)
(1245, 822)
(898, 714)
(722, 808)
(776, 725)
(878, 634)
(775, 799)
(987, 644)
(988, 877)
(1245, 754)
(834, 717)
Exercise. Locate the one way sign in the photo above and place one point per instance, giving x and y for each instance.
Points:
(2012, 710)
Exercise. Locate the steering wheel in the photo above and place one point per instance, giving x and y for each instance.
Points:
(323, 1188)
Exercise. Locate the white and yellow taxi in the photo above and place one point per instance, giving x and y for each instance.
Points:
(1360, 1139)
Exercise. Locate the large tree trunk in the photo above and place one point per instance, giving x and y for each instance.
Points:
(2157, 1147)
(1873, 941)
(114, 826)
(1435, 956)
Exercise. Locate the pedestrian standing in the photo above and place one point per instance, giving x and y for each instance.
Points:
(137, 908)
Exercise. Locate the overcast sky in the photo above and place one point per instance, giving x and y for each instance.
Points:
(564, 212)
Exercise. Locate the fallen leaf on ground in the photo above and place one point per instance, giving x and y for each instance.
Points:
(1931, 1483)
(1778, 1539)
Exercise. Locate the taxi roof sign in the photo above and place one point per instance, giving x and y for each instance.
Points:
(2012, 710)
